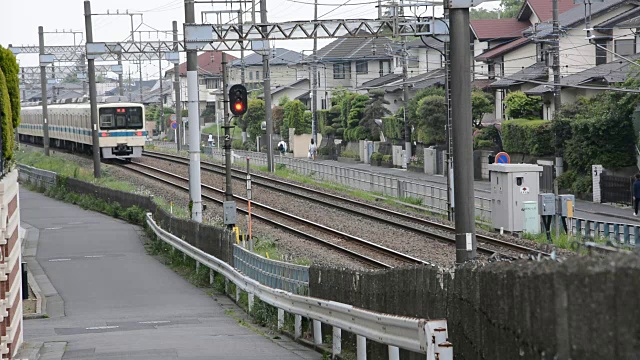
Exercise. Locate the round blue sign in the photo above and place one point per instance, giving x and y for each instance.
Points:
(174, 125)
(503, 158)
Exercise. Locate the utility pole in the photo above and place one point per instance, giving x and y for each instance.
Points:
(176, 88)
(314, 79)
(43, 87)
(194, 123)
(163, 125)
(449, 155)
(120, 82)
(242, 63)
(461, 131)
(556, 95)
(405, 94)
(267, 87)
(92, 92)
(228, 192)
(140, 88)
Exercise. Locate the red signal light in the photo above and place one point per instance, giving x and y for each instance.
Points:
(238, 106)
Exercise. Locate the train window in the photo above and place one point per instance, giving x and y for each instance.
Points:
(121, 121)
(135, 118)
(106, 120)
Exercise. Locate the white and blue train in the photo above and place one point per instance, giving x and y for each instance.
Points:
(120, 128)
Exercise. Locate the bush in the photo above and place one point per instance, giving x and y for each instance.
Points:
(237, 144)
(340, 132)
(349, 154)
(376, 156)
(329, 131)
(521, 106)
(533, 137)
(487, 138)
(582, 185)
(9, 66)
(387, 159)
(566, 180)
(6, 118)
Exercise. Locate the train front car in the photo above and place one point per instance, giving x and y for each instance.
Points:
(121, 130)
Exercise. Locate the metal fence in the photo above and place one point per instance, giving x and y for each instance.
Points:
(37, 177)
(616, 189)
(276, 274)
(432, 197)
(617, 233)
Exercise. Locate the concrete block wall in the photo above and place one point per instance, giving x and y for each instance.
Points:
(581, 308)
(10, 267)
(430, 161)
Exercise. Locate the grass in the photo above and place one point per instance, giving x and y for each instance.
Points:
(177, 211)
(71, 169)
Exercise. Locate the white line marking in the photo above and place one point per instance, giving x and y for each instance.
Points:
(55, 260)
(155, 322)
(53, 228)
(102, 327)
(94, 256)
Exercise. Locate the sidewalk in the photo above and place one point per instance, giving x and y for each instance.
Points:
(584, 209)
(118, 302)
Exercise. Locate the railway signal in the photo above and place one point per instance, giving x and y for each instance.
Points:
(238, 99)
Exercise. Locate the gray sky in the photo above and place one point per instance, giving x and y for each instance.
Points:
(20, 24)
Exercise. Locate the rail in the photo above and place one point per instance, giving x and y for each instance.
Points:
(276, 274)
(432, 197)
(418, 335)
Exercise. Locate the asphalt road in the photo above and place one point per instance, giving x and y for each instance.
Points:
(120, 303)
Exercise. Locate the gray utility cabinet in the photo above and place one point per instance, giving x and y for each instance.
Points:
(511, 186)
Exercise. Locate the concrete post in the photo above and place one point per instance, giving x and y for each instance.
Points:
(317, 332)
(298, 326)
(251, 298)
(280, 319)
(212, 277)
(238, 294)
(596, 171)
(394, 353)
(337, 342)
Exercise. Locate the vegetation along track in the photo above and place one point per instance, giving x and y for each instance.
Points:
(377, 213)
(359, 249)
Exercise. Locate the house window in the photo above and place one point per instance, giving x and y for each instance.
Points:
(385, 67)
(541, 53)
(202, 81)
(413, 62)
(250, 75)
(362, 67)
(625, 47)
(340, 70)
(601, 54)
(323, 103)
(257, 75)
(211, 84)
(492, 70)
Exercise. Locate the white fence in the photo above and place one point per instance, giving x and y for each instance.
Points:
(433, 197)
(419, 335)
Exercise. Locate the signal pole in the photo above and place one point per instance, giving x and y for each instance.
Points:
(228, 192)
(176, 88)
(557, 103)
(43, 87)
(194, 122)
(92, 92)
(314, 79)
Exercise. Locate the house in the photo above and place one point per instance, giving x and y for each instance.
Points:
(297, 90)
(209, 81)
(519, 64)
(284, 66)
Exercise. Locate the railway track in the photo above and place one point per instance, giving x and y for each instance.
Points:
(359, 249)
(487, 244)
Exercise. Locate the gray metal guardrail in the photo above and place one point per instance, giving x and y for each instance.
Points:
(419, 335)
(276, 274)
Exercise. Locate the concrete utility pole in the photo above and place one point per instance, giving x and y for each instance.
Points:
(43, 87)
(194, 122)
(176, 88)
(461, 131)
(314, 79)
(228, 192)
(405, 94)
(557, 103)
(267, 87)
(242, 63)
(120, 81)
(92, 92)
(140, 67)
(163, 124)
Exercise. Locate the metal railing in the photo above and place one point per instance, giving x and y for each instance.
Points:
(432, 197)
(617, 233)
(419, 335)
(38, 177)
(276, 274)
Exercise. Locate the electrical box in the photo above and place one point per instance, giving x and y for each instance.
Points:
(229, 212)
(511, 186)
(565, 205)
(531, 218)
(546, 204)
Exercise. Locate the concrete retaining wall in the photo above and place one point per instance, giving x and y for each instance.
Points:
(583, 308)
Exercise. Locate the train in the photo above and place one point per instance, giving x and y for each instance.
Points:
(121, 128)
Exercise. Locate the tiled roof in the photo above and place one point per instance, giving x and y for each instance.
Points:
(422, 81)
(209, 63)
(610, 73)
(544, 8)
(498, 28)
(533, 72)
(291, 85)
(417, 43)
(383, 80)
(279, 56)
(499, 50)
(355, 49)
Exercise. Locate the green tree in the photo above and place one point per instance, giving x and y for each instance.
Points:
(483, 14)
(521, 106)
(412, 107)
(511, 8)
(294, 116)
(10, 68)
(6, 119)
(375, 109)
(356, 110)
(432, 112)
(254, 117)
(283, 101)
(481, 103)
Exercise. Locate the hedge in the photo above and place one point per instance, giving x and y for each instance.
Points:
(532, 137)
(6, 118)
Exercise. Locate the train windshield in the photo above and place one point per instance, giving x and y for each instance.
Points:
(121, 118)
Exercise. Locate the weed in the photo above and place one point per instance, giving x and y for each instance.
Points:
(264, 314)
